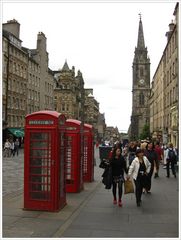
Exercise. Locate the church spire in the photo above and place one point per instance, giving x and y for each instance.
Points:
(65, 66)
(141, 42)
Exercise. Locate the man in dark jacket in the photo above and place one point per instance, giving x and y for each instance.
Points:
(152, 157)
(171, 158)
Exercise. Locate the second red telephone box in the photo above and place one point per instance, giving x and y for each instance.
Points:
(73, 159)
(88, 166)
(44, 169)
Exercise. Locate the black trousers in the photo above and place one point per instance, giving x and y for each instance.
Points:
(118, 185)
(172, 167)
(149, 179)
(138, 189)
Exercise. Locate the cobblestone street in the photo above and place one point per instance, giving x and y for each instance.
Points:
(13, 174)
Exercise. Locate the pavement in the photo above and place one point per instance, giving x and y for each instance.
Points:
(91, 213)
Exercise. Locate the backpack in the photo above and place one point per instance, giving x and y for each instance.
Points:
(172, 156)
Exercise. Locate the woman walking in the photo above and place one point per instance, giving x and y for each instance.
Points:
(139, 169)
(118, 166)
(152, 157)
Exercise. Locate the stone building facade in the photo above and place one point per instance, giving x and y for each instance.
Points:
(91, 108)
(40, 78)
(40, 55)
(29, 85)
(72, 99)
(69, 92)
(27, 80)
(164, 99)
(112, 134)
(14, 76)
(140, 87)
(101, 126)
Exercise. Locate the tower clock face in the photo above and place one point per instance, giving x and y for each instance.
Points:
(141, 81)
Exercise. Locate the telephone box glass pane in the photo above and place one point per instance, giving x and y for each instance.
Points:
(40, 165)
(85, 165)
(62, 165)
(69, 161)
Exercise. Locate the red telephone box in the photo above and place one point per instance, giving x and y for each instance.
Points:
(44, 168)
(73, 160)
(88, 166)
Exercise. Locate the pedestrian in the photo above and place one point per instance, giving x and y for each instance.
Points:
(171, 158)
(139, 170)
(118, 166)
(97, 144)
(143, 144)
(164, 149)
(16, 146)
(159, 152)
(132, 150)
(125, 155)
(110, 153)
(152, 158)
(7, 150)
(12, 147)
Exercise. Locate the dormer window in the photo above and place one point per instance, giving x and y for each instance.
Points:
(15, 41)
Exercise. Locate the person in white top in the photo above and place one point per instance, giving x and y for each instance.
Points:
(139, 169)
(12, 147)
(7, 146)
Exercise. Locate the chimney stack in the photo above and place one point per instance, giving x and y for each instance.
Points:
(171, 27)
(13, 27)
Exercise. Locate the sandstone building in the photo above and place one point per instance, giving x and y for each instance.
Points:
(69, 92)
(72, 99)
(164, 99)
(29, 85)
(91, 108)
(14, 76)
(27, 80)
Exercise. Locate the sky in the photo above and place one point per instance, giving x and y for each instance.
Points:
(99, 39)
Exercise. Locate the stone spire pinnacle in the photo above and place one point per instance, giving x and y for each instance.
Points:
(141, 42)
(65, 66)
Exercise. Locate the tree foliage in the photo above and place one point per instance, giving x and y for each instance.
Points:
(145, 132)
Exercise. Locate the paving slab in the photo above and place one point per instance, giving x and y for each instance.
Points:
(91, 212)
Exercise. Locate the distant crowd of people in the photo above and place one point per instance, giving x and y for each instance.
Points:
(11, 147)
(139, 161)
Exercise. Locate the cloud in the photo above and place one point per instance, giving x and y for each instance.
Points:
(99, 39)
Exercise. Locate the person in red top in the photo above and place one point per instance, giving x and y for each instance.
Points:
(110, 153)
(97, 144)
(159, 152)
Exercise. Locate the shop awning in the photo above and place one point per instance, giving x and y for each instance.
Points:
(17, 132)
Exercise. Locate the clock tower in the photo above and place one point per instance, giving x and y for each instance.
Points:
(140, 86)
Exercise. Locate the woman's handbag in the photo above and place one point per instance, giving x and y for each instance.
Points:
(107, 177)
(104, 163)
(128, 187)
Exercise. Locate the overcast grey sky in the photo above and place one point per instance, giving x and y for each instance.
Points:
(99, 39)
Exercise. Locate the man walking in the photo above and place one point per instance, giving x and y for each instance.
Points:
(171, 158)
